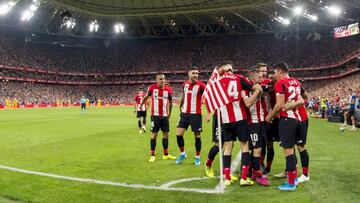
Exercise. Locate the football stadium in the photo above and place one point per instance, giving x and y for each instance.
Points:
(179, 101)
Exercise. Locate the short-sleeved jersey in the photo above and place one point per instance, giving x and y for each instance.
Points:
(160, 98)
(291, 89)
(192, 97)
(259, 110)
(236, 110)
(139, 99)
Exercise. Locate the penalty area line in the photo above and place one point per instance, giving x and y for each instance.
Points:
(111, 183)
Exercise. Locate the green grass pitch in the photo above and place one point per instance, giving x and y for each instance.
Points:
(106, 145)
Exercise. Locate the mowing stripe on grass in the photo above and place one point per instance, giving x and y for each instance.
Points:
(103, 182)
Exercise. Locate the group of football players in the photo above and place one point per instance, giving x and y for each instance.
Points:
(264, 108)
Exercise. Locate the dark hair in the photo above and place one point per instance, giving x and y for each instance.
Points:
(225, 63)
(284, 67)
(271, 72)
(194, 66)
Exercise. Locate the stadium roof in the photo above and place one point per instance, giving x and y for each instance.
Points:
(119, 8)
(175, 18)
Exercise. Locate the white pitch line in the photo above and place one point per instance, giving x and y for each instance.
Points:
(168, 184)
(103, 182)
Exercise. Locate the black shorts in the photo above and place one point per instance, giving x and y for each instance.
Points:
(351, 112)
(158, 123)
(215, 133)
(194, 120)
(272, 132)
(257, 135)
(288, 129)
(237, 130)
(302, 133)
(140, 114)
(83, 106)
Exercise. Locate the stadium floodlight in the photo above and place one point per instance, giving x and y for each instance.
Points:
(27, 15)
(33, 8)
(12, 3)
(284, 21)
(119, 28)
(94, 26)
(334, 10)
(70, 24)
(313, 17)
(298, 10)
(6, 7)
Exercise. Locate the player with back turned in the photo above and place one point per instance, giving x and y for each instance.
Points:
(287, 90)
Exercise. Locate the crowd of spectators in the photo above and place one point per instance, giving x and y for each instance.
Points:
(134, 55)
(335, 93)
(137, 55)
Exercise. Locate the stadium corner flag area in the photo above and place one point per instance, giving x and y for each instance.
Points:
(179, 101)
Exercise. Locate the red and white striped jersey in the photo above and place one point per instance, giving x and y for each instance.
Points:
(303, 113)
(259, 110)
(267, 96)
(160, 97)
(236, 110)
(291, 88)
(192, 94)
(139, 99)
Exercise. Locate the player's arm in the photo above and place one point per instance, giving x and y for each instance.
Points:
(207, 118)
(247, 85)
(292, 105)
(144, 100)
(148, 94)
(280, 101)
(304, 94)
(249, 101)
(182, 99)
(170, 105)
(135, 105)
(147, 104)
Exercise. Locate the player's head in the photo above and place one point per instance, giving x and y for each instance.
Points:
(160, 79)
(141, 89)
(225, 67)
(281, 69)
(193, 74)
(272, 76)
(263, 69)
(255, 75)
